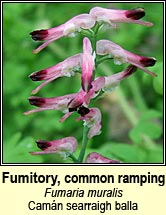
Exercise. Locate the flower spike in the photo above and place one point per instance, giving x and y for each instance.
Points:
(91, 86)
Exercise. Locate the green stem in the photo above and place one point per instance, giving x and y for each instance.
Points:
(87, 33)
(84, 144)
(73, 158)
(94, 41)
(102, 59)
(96, 28)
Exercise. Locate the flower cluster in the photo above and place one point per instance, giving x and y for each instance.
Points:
(86, 63)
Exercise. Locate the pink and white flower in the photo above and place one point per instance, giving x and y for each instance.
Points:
(112, 16)
(69, 28)
(108, 83)
(94, 157)
(121, 55)
(55, 103)
(66, 104)
(113, 80)
(93, 121)
(63, 147)
(67, 68)
(87, 65)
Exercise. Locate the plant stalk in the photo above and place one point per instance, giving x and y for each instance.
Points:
(84, 144)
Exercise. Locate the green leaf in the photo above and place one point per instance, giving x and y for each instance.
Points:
(155, 155)
(17, 151)
(151, 114)
(150, 129)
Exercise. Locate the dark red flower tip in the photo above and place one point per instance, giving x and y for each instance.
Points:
(43, 144)
(130, 70)
(72, 106)
(148, 61)
(72, 109)
(39, 35)
(83, 111)
(38, 76)
(37, 101)
(135, 14)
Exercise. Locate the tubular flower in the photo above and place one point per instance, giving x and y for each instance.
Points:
(67, 104)
(82, 21)
(97, 158)
(68, 67)
(64, 146)
(87, 65)
(113, 80)
(121, 55)
(113, 16)
(56, 103)
(93, 120)
(108, 83)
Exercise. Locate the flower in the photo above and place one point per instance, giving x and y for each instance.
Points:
(67, 104)
(87, 65)
(112, 16)
(82, 21)
(64, 146)
(113, 80)
(93, 120)
(68, 67)
(94, 157)
(121, 55)
(55, 103)
(108, 83)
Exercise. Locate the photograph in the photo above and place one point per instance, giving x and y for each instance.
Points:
(82, 83)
